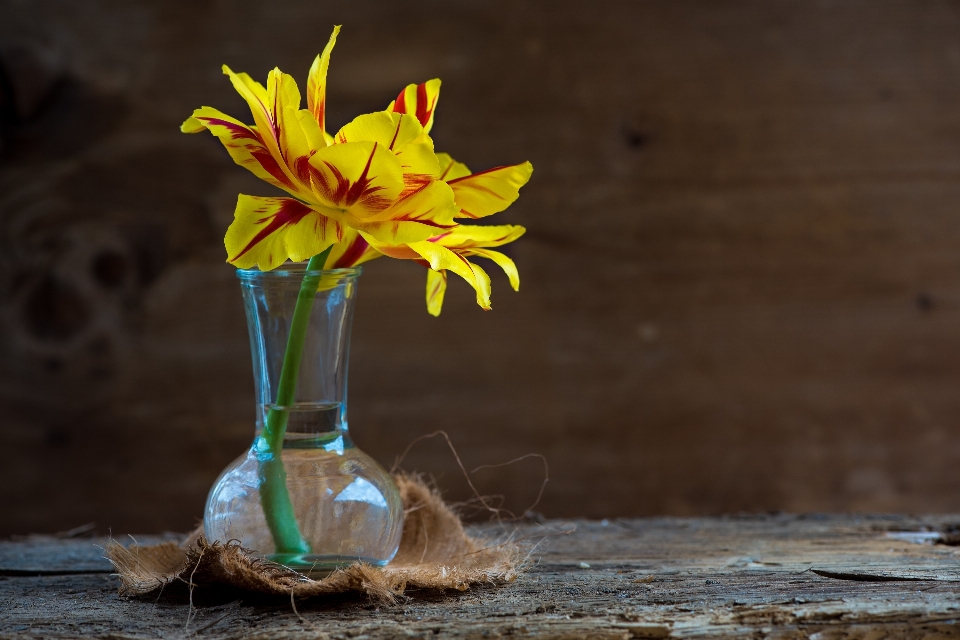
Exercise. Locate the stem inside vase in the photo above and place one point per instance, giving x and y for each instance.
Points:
(274, 497)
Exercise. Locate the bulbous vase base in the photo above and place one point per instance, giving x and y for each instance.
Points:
(347, 507)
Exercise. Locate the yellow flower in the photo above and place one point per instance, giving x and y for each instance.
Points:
(374, 188)
(378, 175)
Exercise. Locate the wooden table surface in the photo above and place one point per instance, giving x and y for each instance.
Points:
(770, 576)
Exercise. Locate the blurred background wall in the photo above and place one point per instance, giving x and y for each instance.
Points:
(741, 283)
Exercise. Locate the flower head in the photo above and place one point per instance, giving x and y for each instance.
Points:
(374, 188)
(377, 174)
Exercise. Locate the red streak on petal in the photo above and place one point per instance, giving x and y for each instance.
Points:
(237, 131)
(443, 176)
(487, 190)
(439, 237)
(353, 253)
(396, 133)
(438, 286)
(290, 212)
(270, 165)
(320, 113)
(429, 223)
(401, 104)
(362, 188)
(423, 114)
(342, 184)
(374, 202)
(412, 183)
(273, 114)
(301, 166)
(433, 105)
(479, 173)
(346, 194)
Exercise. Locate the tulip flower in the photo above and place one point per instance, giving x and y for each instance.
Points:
(377, 175)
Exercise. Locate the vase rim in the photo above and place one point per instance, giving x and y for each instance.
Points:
(297, 270)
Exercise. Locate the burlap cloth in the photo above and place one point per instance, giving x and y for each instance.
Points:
(435, 553)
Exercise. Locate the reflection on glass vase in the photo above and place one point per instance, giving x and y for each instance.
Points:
(304, 495)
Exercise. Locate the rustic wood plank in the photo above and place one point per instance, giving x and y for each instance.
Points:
(640, 578)
(50, 555)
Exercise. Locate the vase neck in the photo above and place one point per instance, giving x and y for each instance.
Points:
(318, 410)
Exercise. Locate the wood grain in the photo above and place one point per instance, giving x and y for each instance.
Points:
(763, 576)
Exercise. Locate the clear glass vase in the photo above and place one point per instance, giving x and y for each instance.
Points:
(304, 495)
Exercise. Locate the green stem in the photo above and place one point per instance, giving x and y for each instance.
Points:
(274, 497)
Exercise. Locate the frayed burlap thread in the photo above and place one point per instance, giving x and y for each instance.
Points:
(435, 553)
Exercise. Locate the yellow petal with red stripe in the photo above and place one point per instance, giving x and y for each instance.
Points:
(419, 164)
(402, 135)
(255, 95)
(477, 236)
(391, 130)
(420, 101)
(436, 288)
(397, 251)
(295, 146)
(488, 192)
(266, 232)
(441, 258)
(243, 144)
(317, 83)
(264, 116)
(352, 250)
(361, 179)
(450, 169)
(420, 216)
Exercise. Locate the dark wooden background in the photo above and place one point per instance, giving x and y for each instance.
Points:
(741, 283)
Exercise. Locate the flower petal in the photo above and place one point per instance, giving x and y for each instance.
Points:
(244, 145)
(362, 179)
(396, 251)
(256, 96)
(311, 129)
(488, 192)
(390, 130)
(420, 216)
(477, 236)
(482, 285)
(419, 162)
(420, 101)
(450, 169)
(436, 287)
(317, 82)
(263, 108)
(505, 263)
(295, 147)
(403, 135)
(268, 231)
(441, 258)
(351, 251)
